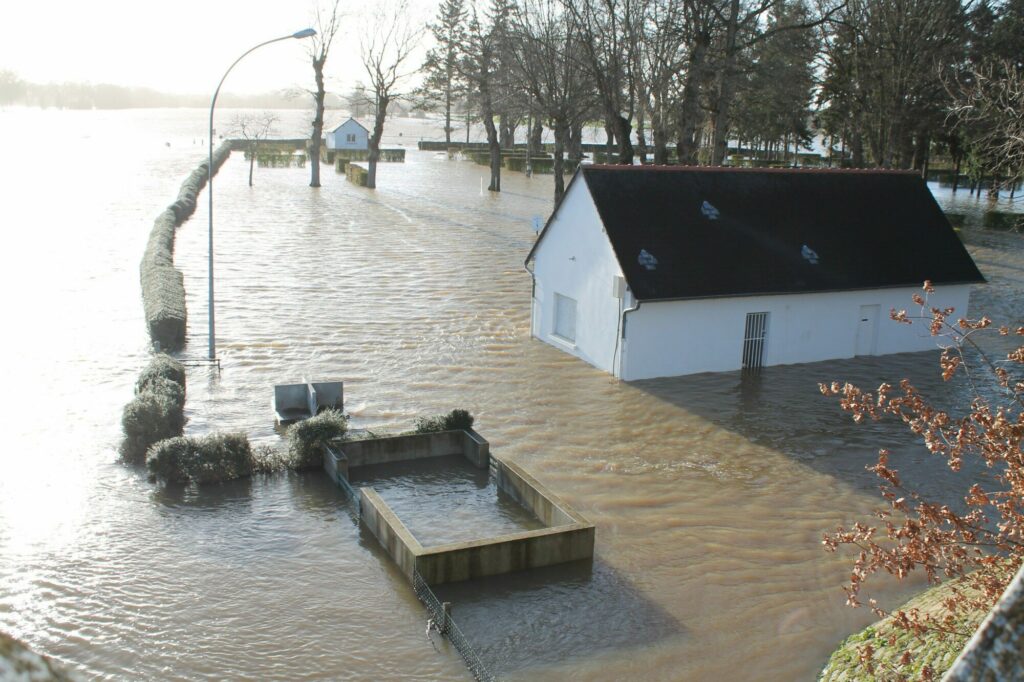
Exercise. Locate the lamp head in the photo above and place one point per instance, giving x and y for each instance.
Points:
(304, 33)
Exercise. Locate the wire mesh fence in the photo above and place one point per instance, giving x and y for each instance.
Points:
(441, 621)
(352, 507)
(444, 623)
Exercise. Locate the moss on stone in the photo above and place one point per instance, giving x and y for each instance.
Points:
(930, 649)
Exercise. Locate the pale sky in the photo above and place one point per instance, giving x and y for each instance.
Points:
(180, 46)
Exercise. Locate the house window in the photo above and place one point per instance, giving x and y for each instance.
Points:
(753, 340)
(350, 137)
(565, 318)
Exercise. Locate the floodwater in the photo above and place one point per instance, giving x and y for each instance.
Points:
(710, 493)
(445, 499)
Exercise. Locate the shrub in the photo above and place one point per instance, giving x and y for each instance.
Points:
(158, 409)
(307, 438)
(163, 366)
(148, 418)
(456, 420)
(215, 458)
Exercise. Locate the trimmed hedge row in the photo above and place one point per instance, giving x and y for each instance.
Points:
(157, 411)
(356, 174)
(216, 458)
(163, 289)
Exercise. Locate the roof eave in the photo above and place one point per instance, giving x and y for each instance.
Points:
(808, 291)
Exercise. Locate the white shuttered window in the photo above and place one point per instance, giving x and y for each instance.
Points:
(565, 317)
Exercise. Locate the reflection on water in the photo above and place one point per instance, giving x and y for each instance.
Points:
(709, 493)
(445, 499)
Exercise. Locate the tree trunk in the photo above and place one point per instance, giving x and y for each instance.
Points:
(537, 140)
(623, 131)
(495, 149)
(689, 109)
(956, 174)
(252, 162)
(318, 123)
(561, 132)
(374, 142)
(448, 115)
(508, 132)
(641, 137)
(609, 140)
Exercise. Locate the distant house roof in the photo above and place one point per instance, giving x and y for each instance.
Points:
(345, 122)
(692, 232)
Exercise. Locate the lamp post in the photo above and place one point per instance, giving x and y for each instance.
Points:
(305, 33)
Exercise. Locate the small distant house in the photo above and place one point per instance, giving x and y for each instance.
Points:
(349, 135)
(661, 271)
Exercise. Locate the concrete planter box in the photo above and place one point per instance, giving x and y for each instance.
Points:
(566, 537)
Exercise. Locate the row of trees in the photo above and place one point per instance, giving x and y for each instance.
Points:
(680, 81)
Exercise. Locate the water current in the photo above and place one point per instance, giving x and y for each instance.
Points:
(710, 493)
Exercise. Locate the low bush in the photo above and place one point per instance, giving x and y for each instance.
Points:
(164, 367)
(307, 438)
(456, 420)
(216, 458)
(157, 411)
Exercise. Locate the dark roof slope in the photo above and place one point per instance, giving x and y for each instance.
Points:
(699, 232)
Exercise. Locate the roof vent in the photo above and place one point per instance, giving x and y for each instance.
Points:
(809, 254)
(647, 260)
(709, 211)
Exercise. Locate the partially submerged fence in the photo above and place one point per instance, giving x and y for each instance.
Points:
(441, 619)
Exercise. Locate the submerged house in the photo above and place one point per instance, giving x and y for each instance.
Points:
(349, 135)
(661, 271)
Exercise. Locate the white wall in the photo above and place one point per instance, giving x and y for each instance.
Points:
(685, 337)
(576, 260)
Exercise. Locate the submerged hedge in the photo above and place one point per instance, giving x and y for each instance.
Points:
(157, 411)
(215, 458)
(307, 438)
(456, 420)
(163, 289)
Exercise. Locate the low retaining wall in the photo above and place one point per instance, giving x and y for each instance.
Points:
(567, 537)
(163, 288)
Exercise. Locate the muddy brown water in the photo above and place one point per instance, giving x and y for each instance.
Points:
(710, 493)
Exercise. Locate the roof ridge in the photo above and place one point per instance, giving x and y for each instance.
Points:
(736, 169)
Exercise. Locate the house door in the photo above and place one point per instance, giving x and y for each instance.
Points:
(754, 336)
(867, 330)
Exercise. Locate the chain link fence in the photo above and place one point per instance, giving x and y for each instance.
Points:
(443, 622)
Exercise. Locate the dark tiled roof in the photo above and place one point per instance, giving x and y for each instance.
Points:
(700, 232)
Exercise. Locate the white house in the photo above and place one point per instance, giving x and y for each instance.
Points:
(349, 135)
(649, 271)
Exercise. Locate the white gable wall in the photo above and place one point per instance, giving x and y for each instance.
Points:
(576, 261)
(672, 338)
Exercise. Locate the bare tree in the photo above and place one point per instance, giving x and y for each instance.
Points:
(254, 128)
(479, 67)
(327, 23)
(545, 34)
(988, 104)
(385, 48)
(607, 31)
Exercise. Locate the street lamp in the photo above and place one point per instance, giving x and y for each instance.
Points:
(304, 33)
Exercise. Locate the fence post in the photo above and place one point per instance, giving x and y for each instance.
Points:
(446, 618)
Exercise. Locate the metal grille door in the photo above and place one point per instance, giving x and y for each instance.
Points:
(753, 340)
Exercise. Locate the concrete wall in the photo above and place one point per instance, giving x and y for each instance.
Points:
(389, 530)
(505, 554)
(568, 537)
(685, 337)
(527, 491)
(417, 446)
(576, 260)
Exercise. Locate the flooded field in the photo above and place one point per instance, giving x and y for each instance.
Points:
(710, 493)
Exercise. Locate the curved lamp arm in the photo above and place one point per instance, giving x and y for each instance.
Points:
(304, 33)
